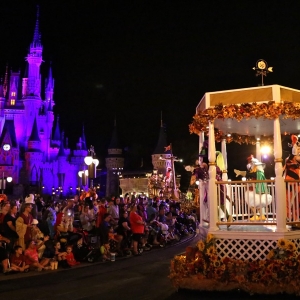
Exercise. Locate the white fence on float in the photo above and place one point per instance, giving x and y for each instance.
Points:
(254, 201)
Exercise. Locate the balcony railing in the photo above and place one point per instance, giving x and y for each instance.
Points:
(253, 202)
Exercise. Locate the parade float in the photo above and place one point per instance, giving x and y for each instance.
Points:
(256, 250)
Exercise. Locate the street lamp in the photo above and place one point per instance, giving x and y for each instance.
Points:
(83, 175)
(172, 159)
(3, 182)
(92, 164)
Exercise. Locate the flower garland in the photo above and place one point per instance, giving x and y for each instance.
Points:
(279, 272)
(270, 111)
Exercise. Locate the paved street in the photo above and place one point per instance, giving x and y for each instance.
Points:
(144, 278)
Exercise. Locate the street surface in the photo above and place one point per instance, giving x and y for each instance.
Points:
(143, 278)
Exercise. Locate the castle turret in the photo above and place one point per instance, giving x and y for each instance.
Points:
(49, 90)
(83, 140)
(13, 88)
(56, 140)
(114, 164)
(34, 155)
(62, 162)
(161, 151)
(34, 59)
(32, 101)
(34, 142)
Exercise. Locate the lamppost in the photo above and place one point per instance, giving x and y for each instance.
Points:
(172, 159)
(83, 175)
(92, 164)
(3, 182)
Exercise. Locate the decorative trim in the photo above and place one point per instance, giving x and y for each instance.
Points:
(270, 111)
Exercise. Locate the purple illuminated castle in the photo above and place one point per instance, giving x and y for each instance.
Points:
(33, 150)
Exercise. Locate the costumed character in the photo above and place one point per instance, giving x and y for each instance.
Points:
(259, 198)
(200, 172)
(168, 177)
(193, 191)
(292, 172)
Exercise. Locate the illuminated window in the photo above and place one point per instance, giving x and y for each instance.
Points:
(12, 102)
(13, 94)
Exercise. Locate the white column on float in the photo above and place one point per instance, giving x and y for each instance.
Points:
(201, 185)
(258, 152)
(225, 175)
(212, 188)
(280, 190)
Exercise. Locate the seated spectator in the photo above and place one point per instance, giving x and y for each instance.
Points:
(78, 207)
(115, 241)
(39, 205)
(68, 216)
(161, 214)
(104, 228)
(112, 236)
(102, 210)
(153, 229)
(70, 257)
(38, 237)
(4, 209)
(105, 252)
(32, 258)
(59, 224)
(60, 256)
(150, 210)
(87, 219)
(3, 255)
(18, 260)
(9, 226)
(51, 219)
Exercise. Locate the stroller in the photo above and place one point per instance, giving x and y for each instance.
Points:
(85, 245)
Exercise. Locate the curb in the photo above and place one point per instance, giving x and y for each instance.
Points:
(11, 277)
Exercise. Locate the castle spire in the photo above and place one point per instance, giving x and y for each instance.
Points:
(114, 142)
(34, 59)
(162, 140)
(61, 151)
(5, 83)
(34, 137)
(37, 36)
(56, 136)
(83, 140)
(49, 86)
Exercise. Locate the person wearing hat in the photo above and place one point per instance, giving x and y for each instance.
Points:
(260, 197)
(38, 237)
(24, 225)
(30, 200)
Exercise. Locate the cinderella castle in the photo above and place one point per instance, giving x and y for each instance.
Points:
(33, 150)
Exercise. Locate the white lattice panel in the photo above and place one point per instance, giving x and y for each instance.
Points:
(248, 249)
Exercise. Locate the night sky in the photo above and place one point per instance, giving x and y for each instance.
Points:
(133, 59)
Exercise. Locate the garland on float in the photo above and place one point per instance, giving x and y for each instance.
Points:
(201, 268)
(269, 111)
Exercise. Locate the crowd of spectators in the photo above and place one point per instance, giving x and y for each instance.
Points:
(31, 231)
